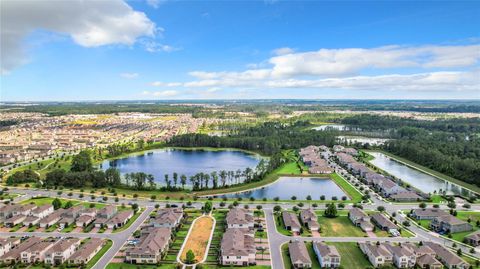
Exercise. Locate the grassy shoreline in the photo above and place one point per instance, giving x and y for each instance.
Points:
(429, 171)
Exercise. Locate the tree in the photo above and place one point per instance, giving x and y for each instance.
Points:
(69, 204)
(207, 207)
(190, 257)
(112, 176)
(56, 203)
(277, 208)
(423, 205)
(331, 211)
(81, 162)
(381, 208)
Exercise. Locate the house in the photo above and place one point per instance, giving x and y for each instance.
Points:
(50, 219)
(84, 220)
(360, 219)
(107, 212)
(429, 262)
(92, 212)
(14, 254)
(449, 224)
(351, 151)
(7, 211)
(73, 212)
(61, 251)
(290, 220)
(17, 219)
(167, 218)
(427, 213)
(5, 246)
(449, 259)
(237, 248)
(31, 221)
(378, 255)
(153, 244)
(403, 257)
(120, 219)
(239, 218)
(383, 222)
(328, 256)
(309, 219)
(299, 255)
(406, 196)
(42, 211)
(473, 239)
(387, 187)
(359, 169)
(24, 210)
(86, 251)
(36, 253)
(100, 222)
(65, 222)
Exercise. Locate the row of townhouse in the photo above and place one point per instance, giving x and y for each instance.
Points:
(441, 221)
(308, 218)
(311, 157)
(407, 255)
(328, 256)
(238, 242)
(385, 186)
(50, 251)
(13, 214)
(155, 238)
(364, 221)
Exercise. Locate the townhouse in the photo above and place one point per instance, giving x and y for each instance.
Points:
(17, 219)
(299, 255)
(377, 254)
(6, 245)
(152, 246)
(51, 219)
(42, 211)
(120, 219)
(360, 219)
(36, 253)
(427, 213)
(449, 224)
(473, 239)
(167, 218)
(403, 257)
(449, 259)
(237, 247)
(61, 251)
(382, 222)
(240, 218)
(291, 222)
(328, 256)
(309, 219)
(14, 254)
(86, 251)
(84, 220)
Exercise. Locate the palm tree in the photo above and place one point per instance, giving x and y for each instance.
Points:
(151, 181)
(223, 177)
(127, 178)
(175, 179)
(207, 178)
(167, 181)
(183, 180)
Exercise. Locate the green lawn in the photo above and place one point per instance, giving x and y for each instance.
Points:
(100, 254)
(129, 223)
(340, 226)
(287, 264)
(69, 228)
(51, 228)
(351, 255)
(290, 168)
(351, 191)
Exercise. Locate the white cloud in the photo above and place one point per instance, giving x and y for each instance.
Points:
(283, 51)
(129, 75)
(152, 46)
(88, 23)
(167, 93)
(155, 3)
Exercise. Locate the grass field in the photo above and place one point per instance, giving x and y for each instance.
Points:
(198, 239)
(340, 226)
(353, 193)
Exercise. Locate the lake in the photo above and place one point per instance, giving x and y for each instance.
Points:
(189, 162)
(286, 187)
(416, 178)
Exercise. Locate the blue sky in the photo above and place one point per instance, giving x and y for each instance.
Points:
(240, 49)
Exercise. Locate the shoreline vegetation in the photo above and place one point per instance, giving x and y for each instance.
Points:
(426, 170)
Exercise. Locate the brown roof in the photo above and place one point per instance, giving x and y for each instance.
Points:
(15, 252)
(290, 219)
(239, 216)
(237, 242)
(87, 249)
(444, 254)
(383, 221)
(41, 208)
(63, 245)
(326, 250)
(429, 212)
(152, 241)
(168, 216)
(299, 253)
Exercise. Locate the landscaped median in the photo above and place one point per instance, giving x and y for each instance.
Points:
(197, 241)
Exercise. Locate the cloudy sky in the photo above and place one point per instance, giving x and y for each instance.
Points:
(157, 49)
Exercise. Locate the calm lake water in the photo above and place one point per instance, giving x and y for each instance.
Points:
(338, 127)
(189, 162)
(417, 179)
(286, 187)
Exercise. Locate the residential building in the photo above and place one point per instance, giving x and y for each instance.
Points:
(153, 244)
(36, 253)
(14, 254)
(167, 218)
(328, 256)
(42, 211)
(290, 220)
(406, 196)
(107, 212)
(86, 251)
(473, 239)
(299, 255)
(120, 219)
(403, 257)
(450, 224)
(237, 247)
(5, 246)
(309, 219)
(360, 219)
(84, 220)
(383, 222)
(61, 251)
(427, 213)
(449, 259)
(378, 255)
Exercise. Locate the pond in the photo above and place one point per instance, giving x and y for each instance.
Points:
(182, 161)
(416, 178)
(286, 187)
(363, 140)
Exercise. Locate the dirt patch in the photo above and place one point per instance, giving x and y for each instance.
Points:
(197, 241)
